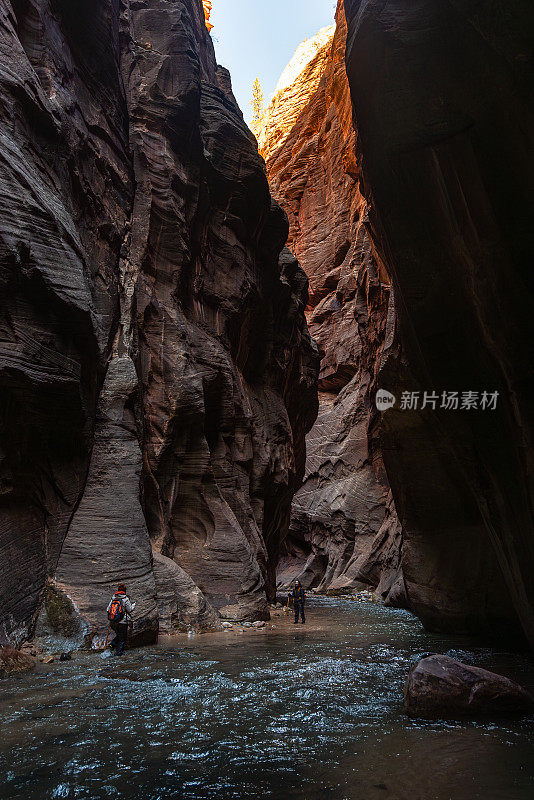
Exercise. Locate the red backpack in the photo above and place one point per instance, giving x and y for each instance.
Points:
(116, 610)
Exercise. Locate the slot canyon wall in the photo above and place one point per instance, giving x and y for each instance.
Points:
(442, 97)
(344, 530)
(413, 221)
(157, 377)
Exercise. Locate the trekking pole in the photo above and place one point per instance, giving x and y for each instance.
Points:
(287, 607)
(107, 634)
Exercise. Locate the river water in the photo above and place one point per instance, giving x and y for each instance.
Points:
(290, 713)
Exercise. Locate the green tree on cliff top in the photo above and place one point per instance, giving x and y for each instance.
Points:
(257, 102)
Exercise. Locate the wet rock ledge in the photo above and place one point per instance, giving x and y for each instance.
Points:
(13, 662)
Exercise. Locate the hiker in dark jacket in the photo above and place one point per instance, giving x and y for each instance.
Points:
(298, 596)
(120, 612)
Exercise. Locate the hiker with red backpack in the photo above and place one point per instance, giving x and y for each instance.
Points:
(120, 612)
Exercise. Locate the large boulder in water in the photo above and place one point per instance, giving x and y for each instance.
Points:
(440, 686)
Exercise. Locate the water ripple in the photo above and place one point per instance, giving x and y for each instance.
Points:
(303, 715)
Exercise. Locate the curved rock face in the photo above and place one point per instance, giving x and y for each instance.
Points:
(443, 105)
(157, 376)
(66, 184)
(344, 532)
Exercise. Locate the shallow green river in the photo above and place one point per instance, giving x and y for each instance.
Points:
(306, 712)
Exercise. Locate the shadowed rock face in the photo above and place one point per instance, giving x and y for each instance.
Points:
(65, 191)
(344, 532)
(443, 106)
(157, 377)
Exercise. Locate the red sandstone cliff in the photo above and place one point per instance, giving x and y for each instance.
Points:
(344, 530)
(208, 6)
(156, 374)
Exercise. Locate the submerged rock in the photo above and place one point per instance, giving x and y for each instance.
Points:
(13, 661)
(366, 597)
(440, 686)
(116, 672)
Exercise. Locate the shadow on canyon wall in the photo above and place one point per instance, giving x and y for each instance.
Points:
(443, 108)
(156, 370)
(157, 375)
(412, 216)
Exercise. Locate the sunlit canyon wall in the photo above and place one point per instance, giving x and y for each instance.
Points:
(344, 531)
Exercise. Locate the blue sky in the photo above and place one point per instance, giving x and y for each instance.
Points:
(256, 38)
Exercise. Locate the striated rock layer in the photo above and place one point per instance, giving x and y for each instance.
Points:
(443, 106)
(297, 83)
(156, 374)
(344, 530)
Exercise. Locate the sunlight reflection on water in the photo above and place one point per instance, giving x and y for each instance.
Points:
(304, 713)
